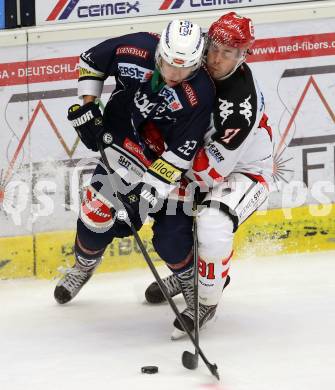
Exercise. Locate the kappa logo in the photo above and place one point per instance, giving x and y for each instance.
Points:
(225, 109)
(64, 8)
(246, 112)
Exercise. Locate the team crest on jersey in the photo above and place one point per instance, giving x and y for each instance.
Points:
(247, 109)
(171, 98)
(134, 71)
(225, 110)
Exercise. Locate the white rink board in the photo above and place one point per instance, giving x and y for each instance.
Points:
(49, 150)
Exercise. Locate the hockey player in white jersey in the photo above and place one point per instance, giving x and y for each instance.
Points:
(234, 167)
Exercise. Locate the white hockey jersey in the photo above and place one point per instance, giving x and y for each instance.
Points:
(239, 139)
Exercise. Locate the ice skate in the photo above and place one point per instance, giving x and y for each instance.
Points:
(153, 293)
(72, 282)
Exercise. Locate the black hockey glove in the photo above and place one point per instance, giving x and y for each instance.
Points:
(88, 123)
(141, 201)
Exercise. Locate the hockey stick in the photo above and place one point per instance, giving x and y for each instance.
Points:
(122, 210)
(191, 360)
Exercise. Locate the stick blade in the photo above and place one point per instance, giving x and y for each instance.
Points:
(190, 360)
(214, 370)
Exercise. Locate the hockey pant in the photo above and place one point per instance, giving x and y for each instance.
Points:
(227, 206)
(97, 226)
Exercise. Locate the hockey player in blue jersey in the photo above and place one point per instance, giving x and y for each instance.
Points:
(151, 128)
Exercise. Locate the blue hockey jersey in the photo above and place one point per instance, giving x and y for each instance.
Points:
(180, 116)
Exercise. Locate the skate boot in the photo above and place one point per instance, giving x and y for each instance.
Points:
(74, 279)
(206, 313)
(153, 293)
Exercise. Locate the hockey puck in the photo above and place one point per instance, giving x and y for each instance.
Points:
(149, 370)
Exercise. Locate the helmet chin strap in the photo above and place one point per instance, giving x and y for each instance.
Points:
(240, 62)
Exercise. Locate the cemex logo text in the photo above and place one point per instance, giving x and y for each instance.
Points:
(64, 8)
(175, 4)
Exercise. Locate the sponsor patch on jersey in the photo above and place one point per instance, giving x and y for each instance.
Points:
(134, 71)
(136, 150)
(171, 98)
(165, 170)
(95, 209)
(124, 162)
(132, 51)
(88, 73)
(214, 152)
(252, 201)
(190, 94)
(86, 117)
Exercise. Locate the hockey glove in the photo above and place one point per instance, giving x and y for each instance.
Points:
(88, 123)
(141, 201)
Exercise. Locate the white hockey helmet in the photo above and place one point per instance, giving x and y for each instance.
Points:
(181, 44)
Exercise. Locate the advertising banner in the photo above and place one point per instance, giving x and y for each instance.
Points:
(68, 11)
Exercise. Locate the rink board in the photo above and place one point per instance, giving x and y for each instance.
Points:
(273, 232)
(17, 257)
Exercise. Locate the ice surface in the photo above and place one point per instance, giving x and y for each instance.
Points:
(275, 330)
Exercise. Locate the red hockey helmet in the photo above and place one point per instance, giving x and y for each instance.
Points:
(233, 30)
